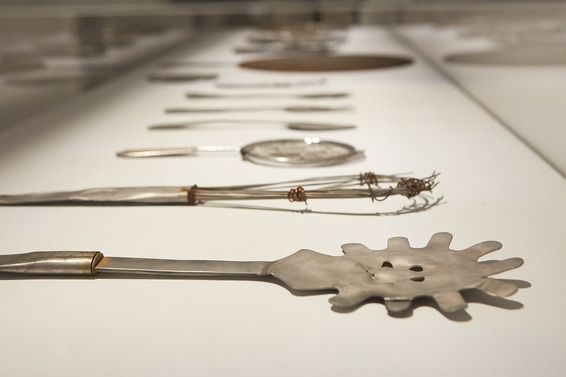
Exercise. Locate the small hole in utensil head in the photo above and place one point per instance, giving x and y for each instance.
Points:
(418, 278)
(416, 268)
(387, 264)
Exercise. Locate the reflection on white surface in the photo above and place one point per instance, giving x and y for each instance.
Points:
(65, 56)
(517, 56)
(522, 84)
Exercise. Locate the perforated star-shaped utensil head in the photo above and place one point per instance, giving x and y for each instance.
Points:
(399, 273)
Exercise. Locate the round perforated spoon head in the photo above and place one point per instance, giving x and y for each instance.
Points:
(307, 152)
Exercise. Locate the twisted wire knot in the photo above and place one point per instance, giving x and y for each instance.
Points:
(297, 195)
(369, 179)
(414, 186)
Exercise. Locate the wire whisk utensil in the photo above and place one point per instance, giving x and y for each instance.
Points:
(375, 187)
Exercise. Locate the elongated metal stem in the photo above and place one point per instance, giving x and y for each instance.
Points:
(267, 108)
(186, 268)
(301, 126)
(176, 151)
(321, 95)
(93, 262)
(274, 84)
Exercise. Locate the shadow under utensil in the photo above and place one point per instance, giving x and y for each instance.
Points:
(319, 63)
(470, 296)
(126, 276)
(458, 316)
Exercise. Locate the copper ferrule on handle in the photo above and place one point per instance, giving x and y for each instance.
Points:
(51, 263)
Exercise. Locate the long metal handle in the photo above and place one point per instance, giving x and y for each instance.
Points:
(176, 126)
(182, 268)
(301, 126)
(274, 84)
(176, 151)
(158, 152)
(297, 109)
(80, 263)
(194, 95)
(52, 263)
(103, 196)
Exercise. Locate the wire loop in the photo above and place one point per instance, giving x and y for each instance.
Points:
(414, 186)
(369, 179)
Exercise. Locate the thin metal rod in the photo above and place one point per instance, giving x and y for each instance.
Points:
(321, 95)
(300, 109)
(302, 126)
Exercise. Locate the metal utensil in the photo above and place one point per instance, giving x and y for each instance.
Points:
(300, 126)
(292, 46)
(294, 109)
(173, 76)
(321, 95)
(398, 274)
(377, 187)
(270, 84)
(307, 152)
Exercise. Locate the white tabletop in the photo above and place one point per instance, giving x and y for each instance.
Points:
(517, 70)
(410, 120)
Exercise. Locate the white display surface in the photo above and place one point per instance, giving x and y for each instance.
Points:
(527, 97)
(410, 120)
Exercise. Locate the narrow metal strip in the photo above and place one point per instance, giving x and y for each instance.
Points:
(189, 268)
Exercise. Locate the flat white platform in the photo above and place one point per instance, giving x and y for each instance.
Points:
(410, 119)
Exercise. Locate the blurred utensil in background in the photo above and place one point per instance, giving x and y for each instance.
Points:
(322, 46)
(294, 109)
(368, 185)
(307, 152)
(308, 37)
(180, 75)
(177, 75)
(321, 95)
(300, 126)
(270, 84)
